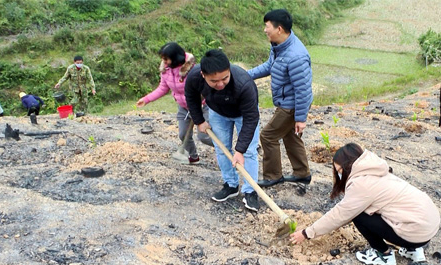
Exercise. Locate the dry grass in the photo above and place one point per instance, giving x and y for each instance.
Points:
(365, 34)
(387, 25)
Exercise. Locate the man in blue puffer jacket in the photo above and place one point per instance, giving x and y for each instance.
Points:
(289, 65)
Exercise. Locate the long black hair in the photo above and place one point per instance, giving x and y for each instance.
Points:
(174, 52)
(345, 157)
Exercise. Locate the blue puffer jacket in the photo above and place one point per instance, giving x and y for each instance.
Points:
(291, 77)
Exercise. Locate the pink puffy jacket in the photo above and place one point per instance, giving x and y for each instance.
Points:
(172, 79)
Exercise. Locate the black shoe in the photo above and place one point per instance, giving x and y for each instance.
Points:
(80, 114)
(225, 193)
(33, 118)
(269, 183)
(304, 180)
(251, 201)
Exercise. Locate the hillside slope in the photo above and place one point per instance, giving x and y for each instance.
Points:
(122, 52)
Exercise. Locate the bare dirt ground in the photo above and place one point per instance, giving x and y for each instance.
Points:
(149, 209)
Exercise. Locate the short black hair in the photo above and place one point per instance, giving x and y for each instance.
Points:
(214, 61)
(174, 52)
(77, 58)
(279, 17)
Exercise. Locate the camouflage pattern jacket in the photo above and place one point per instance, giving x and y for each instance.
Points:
(78, 78)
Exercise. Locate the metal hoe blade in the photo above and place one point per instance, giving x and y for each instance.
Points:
(181, 154)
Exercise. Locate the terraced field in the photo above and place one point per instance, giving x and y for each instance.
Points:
(373, 43)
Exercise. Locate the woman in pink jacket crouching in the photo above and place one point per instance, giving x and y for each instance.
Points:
(381, 205)
(175, 65)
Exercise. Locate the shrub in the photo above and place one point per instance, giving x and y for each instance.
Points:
(84, 6)
(15, 17)
(11, 75)
(95, 104)
(64, 37)
(23, 43)
(430, 44)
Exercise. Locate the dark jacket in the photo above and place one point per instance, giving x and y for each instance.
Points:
(30, 101)
(238, 99)
(289, 65)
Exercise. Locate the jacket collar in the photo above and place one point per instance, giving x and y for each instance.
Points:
(282, 46)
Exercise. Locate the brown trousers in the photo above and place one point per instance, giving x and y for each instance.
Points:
(282, 126)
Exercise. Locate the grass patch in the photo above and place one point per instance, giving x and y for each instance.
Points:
(166, 104)
(265, 98)
(337, 79)
(360, 59)
(347, 74)
(400, 86)
(120, 107)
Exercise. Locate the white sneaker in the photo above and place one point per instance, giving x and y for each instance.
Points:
(415, 255)
(372, 256)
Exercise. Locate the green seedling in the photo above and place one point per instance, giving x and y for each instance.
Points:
(134, 107)
(414, 117)
(364, 108)
(292, 227)
(92, 141)
(71, 116)
(336, 119)
(289, 226)
(325, 140)
(340, 108)
(416, 104)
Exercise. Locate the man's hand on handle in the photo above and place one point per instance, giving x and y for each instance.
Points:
(238, 158)
(203, 127)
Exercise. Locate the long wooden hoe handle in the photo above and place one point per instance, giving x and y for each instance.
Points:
(282, 215)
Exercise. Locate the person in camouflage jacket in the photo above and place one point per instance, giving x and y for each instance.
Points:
(80, 76)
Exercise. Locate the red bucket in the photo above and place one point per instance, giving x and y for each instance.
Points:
(64, 111)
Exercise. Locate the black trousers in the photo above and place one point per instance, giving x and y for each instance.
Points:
(35, 110)
(376, 230)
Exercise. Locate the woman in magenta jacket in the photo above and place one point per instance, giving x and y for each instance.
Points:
(175, 65)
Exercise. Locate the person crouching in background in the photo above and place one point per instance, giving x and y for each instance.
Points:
(31, 103)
